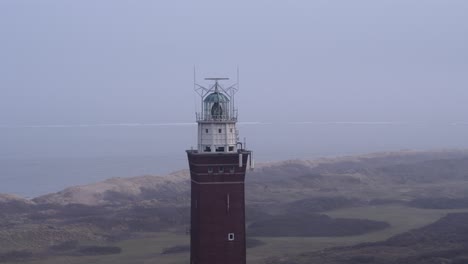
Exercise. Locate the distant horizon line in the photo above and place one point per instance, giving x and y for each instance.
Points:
(239, 123)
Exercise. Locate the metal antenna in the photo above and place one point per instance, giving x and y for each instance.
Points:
(194, 78)
(194, 87)
(203, 91)
(233, 103)
(238, 84)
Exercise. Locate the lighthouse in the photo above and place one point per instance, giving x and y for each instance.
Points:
(217, 172)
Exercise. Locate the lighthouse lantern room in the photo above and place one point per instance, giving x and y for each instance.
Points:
(217, 119)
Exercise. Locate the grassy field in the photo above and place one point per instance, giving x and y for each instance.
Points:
(148, 247)
(401, 219)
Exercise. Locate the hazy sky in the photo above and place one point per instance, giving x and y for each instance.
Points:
(93, 62)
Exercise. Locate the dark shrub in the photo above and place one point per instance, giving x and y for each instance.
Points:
(15, 255)
(97, 250)
(65, 246)
(176, 249)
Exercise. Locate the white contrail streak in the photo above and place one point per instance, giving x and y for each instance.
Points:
(347, 123)
(119, 125)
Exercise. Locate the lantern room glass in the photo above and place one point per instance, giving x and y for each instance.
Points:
(216, 106)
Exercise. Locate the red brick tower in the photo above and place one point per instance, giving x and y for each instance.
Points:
(217, 171)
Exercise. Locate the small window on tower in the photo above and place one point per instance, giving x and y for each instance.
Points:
(221, 169)
(206, 130)
(207, 149)
(220, 149)
(219, 130)
(232, 170)
(230, 130)
(210, 170)
(231, 148)
(231, 236)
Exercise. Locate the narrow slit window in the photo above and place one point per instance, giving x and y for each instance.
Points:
(228, 202)
(206, 130)
(231, 236)
(220, 130)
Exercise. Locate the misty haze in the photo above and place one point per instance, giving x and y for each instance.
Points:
(355, 112)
